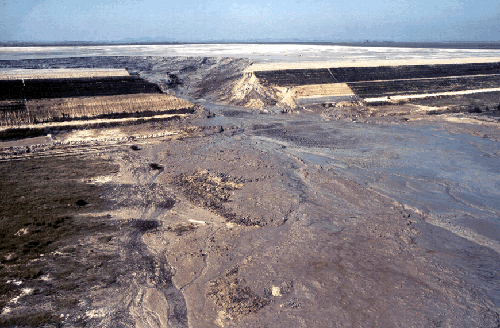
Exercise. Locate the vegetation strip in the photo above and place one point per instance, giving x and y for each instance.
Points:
(40, 202)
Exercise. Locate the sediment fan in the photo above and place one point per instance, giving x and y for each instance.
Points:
(375, 83)
(41, 96)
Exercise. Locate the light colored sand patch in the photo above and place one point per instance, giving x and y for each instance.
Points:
(97, 313)
(276, 291)
(464, 92)
(255, 103)
(101, 179)
(22, 232)
(367, 63)
(107, 135)
(86, 135)
(197, 221)
(469, 120)
(24, 292)
(59, 73)
(6, 310)
(332, 89)
(223, 319)
(422, 108)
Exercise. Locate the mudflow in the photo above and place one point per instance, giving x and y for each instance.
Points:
(264, 213)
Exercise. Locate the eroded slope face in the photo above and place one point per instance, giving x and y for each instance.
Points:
(198, 77)
(232, 81)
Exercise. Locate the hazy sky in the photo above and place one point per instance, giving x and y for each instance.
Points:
(196, 20)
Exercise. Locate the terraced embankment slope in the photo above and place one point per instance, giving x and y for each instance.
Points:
(81, 95)
(343, 83)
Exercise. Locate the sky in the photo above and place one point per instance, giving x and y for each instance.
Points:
(271, 20)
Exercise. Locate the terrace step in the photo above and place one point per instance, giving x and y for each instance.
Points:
(424, 86)
(80, 87)
(359, 74)
(12, 89)
(294, 77)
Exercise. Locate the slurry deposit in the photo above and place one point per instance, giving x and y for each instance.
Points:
(259, 208)
(288, 53)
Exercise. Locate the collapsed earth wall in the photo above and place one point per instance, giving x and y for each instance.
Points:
(224, 80)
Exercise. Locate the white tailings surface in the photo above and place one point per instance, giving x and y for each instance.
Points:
(260, 53)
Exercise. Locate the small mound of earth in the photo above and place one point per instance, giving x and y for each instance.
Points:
(235, 300)
(211, 191)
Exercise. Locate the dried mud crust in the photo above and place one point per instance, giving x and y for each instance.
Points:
(211, 191)
(236, 300)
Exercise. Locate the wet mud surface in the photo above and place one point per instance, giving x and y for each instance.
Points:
(323, 217)
(359, 225)
(293, 220)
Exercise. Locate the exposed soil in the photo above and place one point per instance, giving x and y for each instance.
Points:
(211, 191)
(236, 301)
(326, 216)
